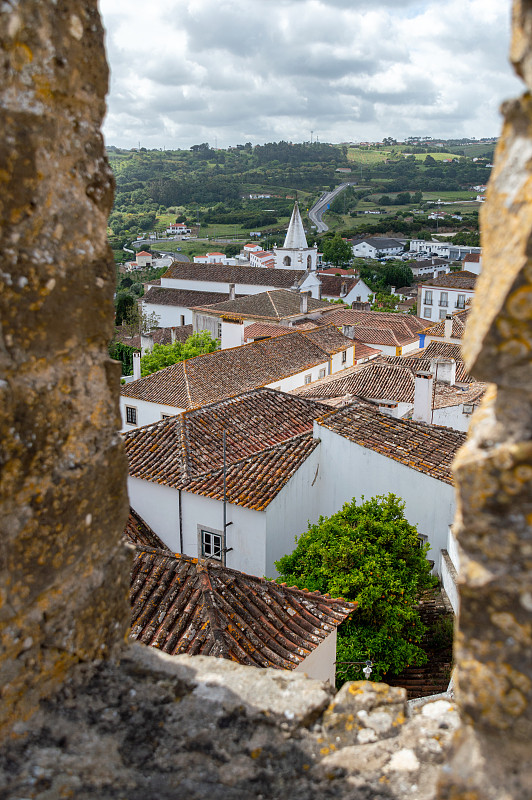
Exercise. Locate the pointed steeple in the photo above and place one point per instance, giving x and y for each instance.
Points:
(295, 237)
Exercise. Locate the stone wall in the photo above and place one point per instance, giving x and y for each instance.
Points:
(63, 579)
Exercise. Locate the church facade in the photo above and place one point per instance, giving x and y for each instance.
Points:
(295, 252)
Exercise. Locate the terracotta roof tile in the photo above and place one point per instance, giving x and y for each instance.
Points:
(336, 285)
(158, 295)
(268, 435)
(159, 335)
(455, 280)
(182, 605)
(429, 449)
(272, 305)
(220, 273)
(459, 323)
(226, 373)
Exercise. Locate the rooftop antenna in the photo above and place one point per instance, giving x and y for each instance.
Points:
(311, 136)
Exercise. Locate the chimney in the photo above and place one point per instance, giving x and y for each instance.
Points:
(392, 289)
(424, 382)
(232, 293)
(444, 370)
(172, 335)
(448, 327)
(146, 343)
(303, 303)
(136, 366)
(389, 407)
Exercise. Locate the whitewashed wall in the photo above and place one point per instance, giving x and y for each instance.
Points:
(169, 316)
(232, 334)
(219, 286)
(429, 503)
(452, 417)
(146, 412)
(246, 535)
(336, 361)
(290, 512)
(159, 508)
(297, 380)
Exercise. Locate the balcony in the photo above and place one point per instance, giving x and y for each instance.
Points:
(443, 303)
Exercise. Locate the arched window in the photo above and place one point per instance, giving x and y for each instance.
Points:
(309, 262)
(287, 261)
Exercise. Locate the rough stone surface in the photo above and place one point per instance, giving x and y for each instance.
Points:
(63, 575)
(180, 726)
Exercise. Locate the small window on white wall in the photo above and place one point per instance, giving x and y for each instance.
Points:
(322, 373)
(131, 415)
(219, 330)
(211, 544)
(427, 313)
(344, 357)
(308, 379)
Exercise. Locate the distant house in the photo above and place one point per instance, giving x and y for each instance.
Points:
(144, 259)
(281, 362)
(348, 289)
(472, 262)
(214, 258)
(262, 258)
(376, 247)
(443, 295)
(185, 605)
(177, 228)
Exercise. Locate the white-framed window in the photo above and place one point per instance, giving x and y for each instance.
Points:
(344, 356)
(444, 299)
(131, 415)
(460, 301)
(428, 298)
(322, 373)
(308, 379)
(427, 313)
(211, 543)
(443, 313)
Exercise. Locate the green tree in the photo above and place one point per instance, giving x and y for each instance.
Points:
(336, 250)
(125, 307)
(368, 553)
(164, 355)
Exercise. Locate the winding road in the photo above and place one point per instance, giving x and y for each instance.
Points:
(320, 206)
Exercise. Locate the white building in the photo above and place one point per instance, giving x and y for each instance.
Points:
(144, 259)
(377, 247)
(295, 252)
(215, 258)
(446, 294)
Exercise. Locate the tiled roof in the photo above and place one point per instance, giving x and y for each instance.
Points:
(335, 271)
(455, 280)
(429, 449)
(272, 305)
(260, 330)
(419, 363)
(162, 296)
(268, 435)
(257, 480)
(143, 253)
(372, 381)
(363, 351)
(328, 338)
(220, 273)
(138, 532)
(446, 396)
(403, 325)
(474, 258)
(182, 605)
(443, 349)
(226, 373)
(380, 242)
(159, 335)
(459, 323)
(336, 285)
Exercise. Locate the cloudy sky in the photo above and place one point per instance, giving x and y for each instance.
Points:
(232, 71)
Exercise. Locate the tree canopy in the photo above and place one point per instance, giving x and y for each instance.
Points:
(336, 250)
(164, 355)
(369, 553)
